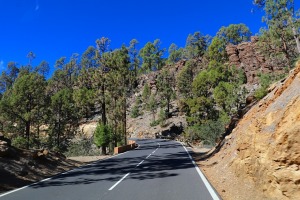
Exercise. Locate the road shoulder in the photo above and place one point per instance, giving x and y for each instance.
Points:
(228, 185)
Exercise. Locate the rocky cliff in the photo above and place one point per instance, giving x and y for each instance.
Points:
(248, 57)
(264, 147)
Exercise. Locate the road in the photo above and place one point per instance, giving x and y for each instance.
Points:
(157, 169)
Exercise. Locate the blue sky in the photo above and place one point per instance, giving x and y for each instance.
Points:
(56, 28)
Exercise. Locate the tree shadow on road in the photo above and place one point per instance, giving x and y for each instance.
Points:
(157, 166)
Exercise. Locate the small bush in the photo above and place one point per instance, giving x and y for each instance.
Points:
(208, 132)
(19, 142)
(135, 112)
(102, 136)
(154, 123)
(265, 81)
(260, 93)
(83, 147)
(162, 117)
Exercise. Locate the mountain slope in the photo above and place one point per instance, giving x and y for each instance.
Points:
(263, 150)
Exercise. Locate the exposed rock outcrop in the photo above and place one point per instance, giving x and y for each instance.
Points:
(247, 56)
(88, 128)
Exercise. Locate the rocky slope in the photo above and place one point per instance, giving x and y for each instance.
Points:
(22, 167)
(248, 57)
(140, 127)
(263, 150)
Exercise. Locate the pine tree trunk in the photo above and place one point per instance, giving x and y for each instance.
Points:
(115, 125)
(124, 123)
(296, 37)
(27, 130)
(168, 110)
(58, 133)
(59, 125)
(38, 134)
(295, 34)
(103, 105)
(103, 150)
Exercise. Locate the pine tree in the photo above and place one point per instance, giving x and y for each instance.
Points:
(196, 45)
(225, 95)
(146, 93)
(103, 59)
(184, 80)
(166, 85)
(21, 103)
(134, 60)
(151, 55)
(84, 100)
(8, 77)
(281, 40)
(152, 106)
(234, 33)
(135, 112)
(175, 54)
(102, 136)
(122, 60)
(43, 68)
(88, 58)
(217, 50)
(63, 115)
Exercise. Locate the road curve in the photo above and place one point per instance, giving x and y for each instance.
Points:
(157, 169)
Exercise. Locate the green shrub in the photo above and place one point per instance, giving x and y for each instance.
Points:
(154, 123)
(102, 135)
(208, 132)
(19, 142)
(260, 93)
(264, 80)
(135, 112)
(83, 147)
(162, 117)
(146, 93)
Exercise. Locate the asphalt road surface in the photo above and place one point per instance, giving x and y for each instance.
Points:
(157, 169)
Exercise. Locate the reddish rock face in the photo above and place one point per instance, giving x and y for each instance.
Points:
(247, 56)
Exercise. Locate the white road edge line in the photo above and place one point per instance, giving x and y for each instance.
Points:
(112, 187)
(2, 195)
(63, 173)
(205, 181)
(45, 180)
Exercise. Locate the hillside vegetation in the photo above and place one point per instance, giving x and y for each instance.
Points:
(262, 155)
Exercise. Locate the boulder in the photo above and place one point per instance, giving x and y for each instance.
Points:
(39, 154)
(4, 149)
(2, 138)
